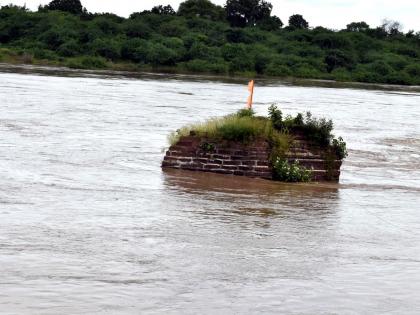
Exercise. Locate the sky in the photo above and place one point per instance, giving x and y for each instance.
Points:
(334, 14)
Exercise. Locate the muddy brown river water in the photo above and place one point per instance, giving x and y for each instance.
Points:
(90, 224)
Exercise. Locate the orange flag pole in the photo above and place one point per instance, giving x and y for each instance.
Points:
(251, 95)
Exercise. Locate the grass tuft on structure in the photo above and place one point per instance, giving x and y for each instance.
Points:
(242, 127)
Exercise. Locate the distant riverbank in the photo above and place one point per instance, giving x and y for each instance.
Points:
(50, 69)
(163, 40)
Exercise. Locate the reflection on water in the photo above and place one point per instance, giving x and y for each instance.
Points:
(89, 223)
(244, 196)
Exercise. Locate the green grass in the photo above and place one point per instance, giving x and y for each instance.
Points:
(237, 128)
(8, 56)
(87, 62)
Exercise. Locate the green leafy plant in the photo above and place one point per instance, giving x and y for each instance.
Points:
(340, 148)
(246, 112)
(290, 172)
(318, 130)
(276, 117)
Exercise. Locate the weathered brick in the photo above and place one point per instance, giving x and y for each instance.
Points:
(230, 167)
(171, 165)
(224, 152)
(203, 154)
(261, 169)
(171, 159)
(185, 159)
(220, 156)
(230, 162)
(246, 162)
(200, 160)
(211, 166)
(263, 163)
(193, 167)
(176, 153)
(250, 160)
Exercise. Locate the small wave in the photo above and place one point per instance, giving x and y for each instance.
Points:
(409, 142)
(12, 202)
(114, 189)
(395, 259)
(380, 187)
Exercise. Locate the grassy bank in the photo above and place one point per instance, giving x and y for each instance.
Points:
(193, 42)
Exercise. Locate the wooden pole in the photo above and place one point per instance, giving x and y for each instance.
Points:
(251, 95)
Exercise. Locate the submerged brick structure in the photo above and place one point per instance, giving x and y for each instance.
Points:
(253, 159)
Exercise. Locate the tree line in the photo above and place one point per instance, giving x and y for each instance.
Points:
(242, 37)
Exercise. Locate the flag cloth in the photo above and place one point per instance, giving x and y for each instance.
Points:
(251, 95)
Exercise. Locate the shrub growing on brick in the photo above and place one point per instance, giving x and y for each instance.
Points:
(286, 172)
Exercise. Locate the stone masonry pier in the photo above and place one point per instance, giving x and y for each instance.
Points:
(253, 160)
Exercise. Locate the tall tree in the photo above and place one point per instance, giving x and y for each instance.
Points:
(241, 13)
(392, 28)
(71, 6)
(271, 23)
(163, 10)
(357, 27)
(201, 8)
(297, 21)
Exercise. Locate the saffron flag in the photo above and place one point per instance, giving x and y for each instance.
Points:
(251, 95)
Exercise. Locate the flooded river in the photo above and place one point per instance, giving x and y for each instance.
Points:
(90, 224)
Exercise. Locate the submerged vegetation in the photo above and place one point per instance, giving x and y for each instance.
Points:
(245, 127)
(243, 37)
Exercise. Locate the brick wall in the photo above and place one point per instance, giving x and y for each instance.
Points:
(252, 160)
(197, 154)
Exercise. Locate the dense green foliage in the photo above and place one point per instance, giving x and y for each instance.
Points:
(241, 13)
(318, 130)
(71, 6)
(297, 21)
(290, 172)
(240, 38)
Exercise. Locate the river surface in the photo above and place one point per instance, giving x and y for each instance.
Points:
(90, 224)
